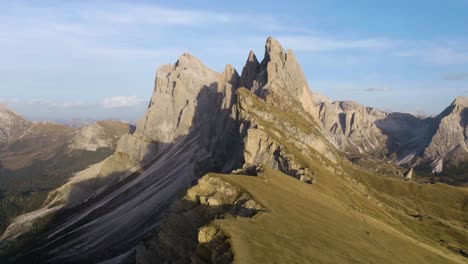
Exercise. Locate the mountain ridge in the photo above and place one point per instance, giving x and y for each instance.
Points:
(200, 121)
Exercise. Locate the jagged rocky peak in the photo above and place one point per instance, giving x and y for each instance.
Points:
(230, 75)
(460, 105)
(461, 100)
(228, 83)
(450, 140)
(278, 78)
(174, 100)
(11, 123)
(250, 71)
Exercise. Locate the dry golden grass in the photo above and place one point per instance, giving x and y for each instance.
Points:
(313, 224)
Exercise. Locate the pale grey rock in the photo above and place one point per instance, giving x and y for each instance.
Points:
(103, 134)
(91, 138)
(11, 124)
(176, 96)
(259, 147)
(306, 179)
(136, 148)
(266, 144)
(250, 71)
(279, 79)
(400, 137)
(451, 135)
(409, 174)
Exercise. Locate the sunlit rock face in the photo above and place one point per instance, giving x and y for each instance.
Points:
(401, 137)
(450, 141)
(11, 124)
(278, 78)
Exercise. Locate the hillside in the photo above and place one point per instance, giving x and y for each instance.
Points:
(37, 157)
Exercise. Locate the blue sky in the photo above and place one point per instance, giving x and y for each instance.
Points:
(97, 59)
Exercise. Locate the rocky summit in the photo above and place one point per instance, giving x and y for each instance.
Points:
(256, 168)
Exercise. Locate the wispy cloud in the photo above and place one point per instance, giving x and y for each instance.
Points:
(121, 101)
(444, 55)
(377, 89)
(324, 43)
(47, 103)
(142, 14)
(455, 76)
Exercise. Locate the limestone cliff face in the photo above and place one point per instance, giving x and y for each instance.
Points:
(172, 108)
(11, 124)
(400, 137)
(355, 128)
(103, 134)
(450, 140)
(278, 138)
(278, 79)
(351, 127)
(174, 102)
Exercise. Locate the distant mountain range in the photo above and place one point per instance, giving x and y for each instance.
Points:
(36, 157)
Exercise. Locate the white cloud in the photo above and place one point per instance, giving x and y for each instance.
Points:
(121, 101)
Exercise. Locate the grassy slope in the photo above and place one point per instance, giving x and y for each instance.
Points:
(348, 215)
(307, 224)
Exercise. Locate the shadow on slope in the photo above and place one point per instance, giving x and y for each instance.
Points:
(25, 189)
(406, 134)
(115, 220)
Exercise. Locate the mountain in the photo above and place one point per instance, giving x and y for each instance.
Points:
(449, 144)
(252, 169)
(399, 137)
(12, 123)
(36, 157)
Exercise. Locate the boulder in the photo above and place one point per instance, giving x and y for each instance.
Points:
(306, 179)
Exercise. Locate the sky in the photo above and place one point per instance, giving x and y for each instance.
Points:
(97, 59)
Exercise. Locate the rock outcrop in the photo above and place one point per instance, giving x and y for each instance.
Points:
(102, 134)
(189, 234)
(278, 78)
(11, 124)
(450, 140)
(409, 174)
